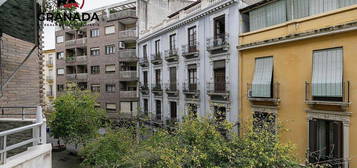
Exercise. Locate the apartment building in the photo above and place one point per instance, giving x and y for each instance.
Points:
(21, 63)
(297, 66)
(188, 63)
(101, 57)
(49, 76)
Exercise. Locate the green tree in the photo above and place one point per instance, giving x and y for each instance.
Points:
(75, 119)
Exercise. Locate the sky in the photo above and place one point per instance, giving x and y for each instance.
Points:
(49, 31)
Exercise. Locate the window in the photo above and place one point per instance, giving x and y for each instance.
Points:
(60, 88)
(110, 68)
(109, 29)
(157, 47)
(327, 74)
(271, 14)
(192, 77)
(146, 106)
(94, 33)
(263, 121)
(173, 110)
(326, 142)
(219, 76)
(95, 88)
(111, 107)
(60, 55)
(94, 51)
(110, 88)
(109, 49)
(145, 78)
(263, 78)
(95, 69)
(145, 51)
(158, 110)
(60, 71)
(158, 76)
(192, 38)
(59, 39)
(173, 42)
(219, 27)
(173, 78)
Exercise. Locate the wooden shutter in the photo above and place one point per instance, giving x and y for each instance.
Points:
(312, 140)
(173, 109)
(337, 145)
(173, 78)
(158, 109)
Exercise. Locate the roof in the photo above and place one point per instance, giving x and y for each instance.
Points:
(252, 4)
(185, 8)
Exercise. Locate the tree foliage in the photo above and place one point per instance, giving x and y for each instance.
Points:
(75, 119)
(194, 143)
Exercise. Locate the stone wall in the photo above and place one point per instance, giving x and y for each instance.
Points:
(24, 88)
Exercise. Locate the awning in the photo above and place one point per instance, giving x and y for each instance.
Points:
(327, 73)
(263, 75)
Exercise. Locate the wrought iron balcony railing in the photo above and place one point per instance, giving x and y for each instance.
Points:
(218, 88)
(190, 88)
(171, 87)
(156, 58)
(262, 93)
(156, 87)
(144, 62)
(171, 55)
(190, 50)
(219, 42)
(337, 96)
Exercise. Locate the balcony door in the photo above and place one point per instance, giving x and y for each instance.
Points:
(219, 27)
(173, 110)
(157, 48)
(145, 78)
(192, 77)
(219, 76)
(192, 39)
(173, 78)
(158, 109)
(158, 78)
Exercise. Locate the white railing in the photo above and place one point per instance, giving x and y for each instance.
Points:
(127, 53)
(128, 74)
(80, 41)
(122, 14)
(38, 135)
(128, 94)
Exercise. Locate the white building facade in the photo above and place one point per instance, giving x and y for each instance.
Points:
(49, 74)
(189, 63)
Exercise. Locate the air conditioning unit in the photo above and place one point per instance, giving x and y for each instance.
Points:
(121, 45)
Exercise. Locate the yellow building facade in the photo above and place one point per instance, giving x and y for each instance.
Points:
(303, 71)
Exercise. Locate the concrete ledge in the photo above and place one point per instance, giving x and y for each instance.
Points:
(35, 157)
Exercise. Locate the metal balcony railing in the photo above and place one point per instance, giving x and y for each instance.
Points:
(129, 13)
(343, 100)
(128, 75)
(144, 86)
(49, 63)
(218, 42)
(128, 34)
(144, 62)
(190, 50)
(273, 95)
(171, 87)
(171, 55)
(38, 135)
(190, 87)
(218, 87)
(156, 87)
(156, 58)
(128, 94)
(127, 53)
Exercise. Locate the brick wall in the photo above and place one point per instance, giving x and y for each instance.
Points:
(24, 88)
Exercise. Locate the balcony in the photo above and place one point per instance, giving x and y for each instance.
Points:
(190, 51)
(156, 59)
(82, 76)
(273, 99)
(342, 101)
(156, 89)
(76, 42)
(70, 76)
(49, 79)
(70, 59)
(49, 63)
(124, 14)
(191, 91)
(218, 44)
(172, 89)
(144, 62)
(77, 59)
(127, 35)
(128, 75)
(144, 88)
(128, 55)
(171, 55)
(218, 90)
(128, 94)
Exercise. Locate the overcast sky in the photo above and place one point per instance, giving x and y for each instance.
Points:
(89, 5)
